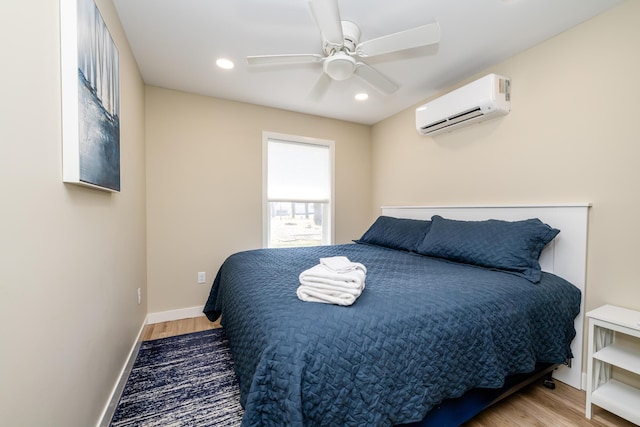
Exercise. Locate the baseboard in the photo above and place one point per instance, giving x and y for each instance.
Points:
(112, 404)
(181, 313)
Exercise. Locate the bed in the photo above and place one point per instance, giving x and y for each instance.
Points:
(429, 326)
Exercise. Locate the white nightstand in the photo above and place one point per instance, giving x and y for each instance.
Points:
(605, 351)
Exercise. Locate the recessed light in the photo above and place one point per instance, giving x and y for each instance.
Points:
(224, 63)
(362, 96)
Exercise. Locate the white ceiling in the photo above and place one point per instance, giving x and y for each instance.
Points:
(176, 44)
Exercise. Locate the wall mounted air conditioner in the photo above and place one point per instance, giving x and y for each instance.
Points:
(480, 100)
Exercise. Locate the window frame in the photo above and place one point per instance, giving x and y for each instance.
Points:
(296, 139)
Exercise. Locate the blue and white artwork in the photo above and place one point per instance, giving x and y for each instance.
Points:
(91, 121)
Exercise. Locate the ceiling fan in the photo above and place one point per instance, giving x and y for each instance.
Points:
(342, 49)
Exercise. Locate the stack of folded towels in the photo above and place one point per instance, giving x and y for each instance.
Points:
(336, 280)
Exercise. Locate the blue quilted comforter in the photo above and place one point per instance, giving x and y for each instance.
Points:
(423, 330)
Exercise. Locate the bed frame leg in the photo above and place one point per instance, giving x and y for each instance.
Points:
(548, 381)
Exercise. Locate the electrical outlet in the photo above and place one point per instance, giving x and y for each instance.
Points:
(202, 277)
(139, 296)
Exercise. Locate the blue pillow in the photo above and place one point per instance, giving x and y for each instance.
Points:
(396, 233)
(514, 247)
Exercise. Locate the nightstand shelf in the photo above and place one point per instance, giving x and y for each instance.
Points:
(620, 355)
(606, 352)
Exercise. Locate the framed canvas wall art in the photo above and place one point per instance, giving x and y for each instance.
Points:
(90, 98)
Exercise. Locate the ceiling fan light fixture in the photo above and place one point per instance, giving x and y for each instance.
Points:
(339, 66)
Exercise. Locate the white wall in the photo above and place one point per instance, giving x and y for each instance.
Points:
(71, 258)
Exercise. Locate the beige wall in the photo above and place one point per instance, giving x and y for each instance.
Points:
(71, 258)
(204, 190)
(572, 136)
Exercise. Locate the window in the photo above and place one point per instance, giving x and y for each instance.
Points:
(298, 191)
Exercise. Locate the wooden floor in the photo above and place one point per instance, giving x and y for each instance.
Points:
(177, 327)
(534, 406)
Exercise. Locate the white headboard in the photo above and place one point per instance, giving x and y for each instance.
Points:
(565, 256)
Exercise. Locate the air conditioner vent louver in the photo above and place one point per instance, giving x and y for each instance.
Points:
(432, 125)
(474, 112)
(480, 100)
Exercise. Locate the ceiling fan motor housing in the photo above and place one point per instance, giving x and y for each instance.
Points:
(351, 38)
(351, 34)
(339, 64)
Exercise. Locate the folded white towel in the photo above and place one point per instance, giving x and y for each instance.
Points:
(341, 264)
(312, 294)
(321, 275)
(323, 284)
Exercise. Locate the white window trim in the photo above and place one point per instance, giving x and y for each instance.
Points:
(266, 136)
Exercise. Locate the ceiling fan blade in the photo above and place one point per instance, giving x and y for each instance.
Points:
(376, 79)
(327, 16)
(408, 39)
(320, 88)
(284, 59)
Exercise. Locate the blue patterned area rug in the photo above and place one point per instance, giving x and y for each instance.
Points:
(186, 380)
